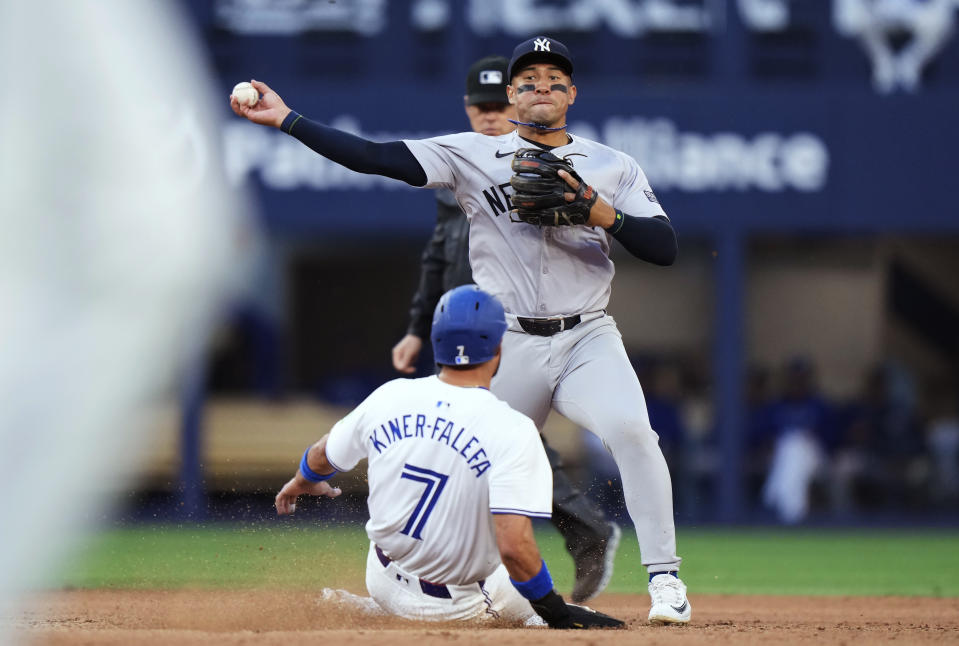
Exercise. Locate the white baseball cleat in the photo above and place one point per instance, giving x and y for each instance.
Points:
(670, 605)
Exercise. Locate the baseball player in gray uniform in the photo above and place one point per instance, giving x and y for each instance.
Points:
(454, 477)
(561, 350)
(590, 539)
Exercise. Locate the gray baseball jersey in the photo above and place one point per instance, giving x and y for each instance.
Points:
(534, 271)
(583, 373)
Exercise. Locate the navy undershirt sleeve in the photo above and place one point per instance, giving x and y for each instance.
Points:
(390, 159)
(649, 239)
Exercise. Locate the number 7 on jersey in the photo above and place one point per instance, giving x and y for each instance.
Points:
(424, 507)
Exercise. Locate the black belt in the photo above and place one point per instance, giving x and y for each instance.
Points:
(437, 590)
(548, 327)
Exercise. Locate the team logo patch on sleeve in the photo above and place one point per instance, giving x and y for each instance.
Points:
(651, 196)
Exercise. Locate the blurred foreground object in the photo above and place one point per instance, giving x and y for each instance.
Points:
(119, 241)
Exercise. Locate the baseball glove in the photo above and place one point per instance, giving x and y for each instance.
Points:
(538, 190)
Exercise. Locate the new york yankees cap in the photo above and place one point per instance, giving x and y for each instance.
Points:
(486, 81)
(540, 49)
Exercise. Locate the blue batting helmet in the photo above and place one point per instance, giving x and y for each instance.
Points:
(468, 325)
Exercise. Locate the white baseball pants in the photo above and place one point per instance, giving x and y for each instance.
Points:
(401, 594)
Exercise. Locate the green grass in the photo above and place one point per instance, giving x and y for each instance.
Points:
(820, 562)
(721, 561)
(159, 556)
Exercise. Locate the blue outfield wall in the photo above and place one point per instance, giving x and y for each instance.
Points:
(784, 162)
(758, 114)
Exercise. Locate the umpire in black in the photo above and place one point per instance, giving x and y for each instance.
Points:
(590, 538)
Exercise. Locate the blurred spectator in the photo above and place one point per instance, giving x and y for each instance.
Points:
(942, 438)
(801, 447)
(664, 391)
(900, 36)
(758, 401)
(700, 459)
(880, 459)
(801, 426)
(759, 436)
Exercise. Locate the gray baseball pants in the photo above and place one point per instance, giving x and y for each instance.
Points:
(585, 375)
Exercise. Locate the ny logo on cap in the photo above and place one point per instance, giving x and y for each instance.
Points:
(490, 77)
(541, 45)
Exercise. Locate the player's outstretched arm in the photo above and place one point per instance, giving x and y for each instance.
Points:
(311, 478)
(270, 110)
(390, 159)
(528, 574)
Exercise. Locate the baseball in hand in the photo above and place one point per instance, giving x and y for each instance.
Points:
(246, 94)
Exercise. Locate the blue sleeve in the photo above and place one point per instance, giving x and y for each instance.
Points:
(390, 159)
(649, 239)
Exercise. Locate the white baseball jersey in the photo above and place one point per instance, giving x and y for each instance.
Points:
(534, 271)
(441, 459)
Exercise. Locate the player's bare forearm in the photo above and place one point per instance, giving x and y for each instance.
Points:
(316, 459)
(298, 485)
(601, 215)
(517, 546)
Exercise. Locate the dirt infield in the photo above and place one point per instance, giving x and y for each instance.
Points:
(272, 617)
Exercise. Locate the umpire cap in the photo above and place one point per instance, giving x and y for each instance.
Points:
(540, 49)
(468, 325)
(486, 81)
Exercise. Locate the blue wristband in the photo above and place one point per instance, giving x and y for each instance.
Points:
(309, 473)
(537, 587)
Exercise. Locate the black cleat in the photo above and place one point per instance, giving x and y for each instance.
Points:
(594, 566)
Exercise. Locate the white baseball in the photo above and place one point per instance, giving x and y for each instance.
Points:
(246, 94)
